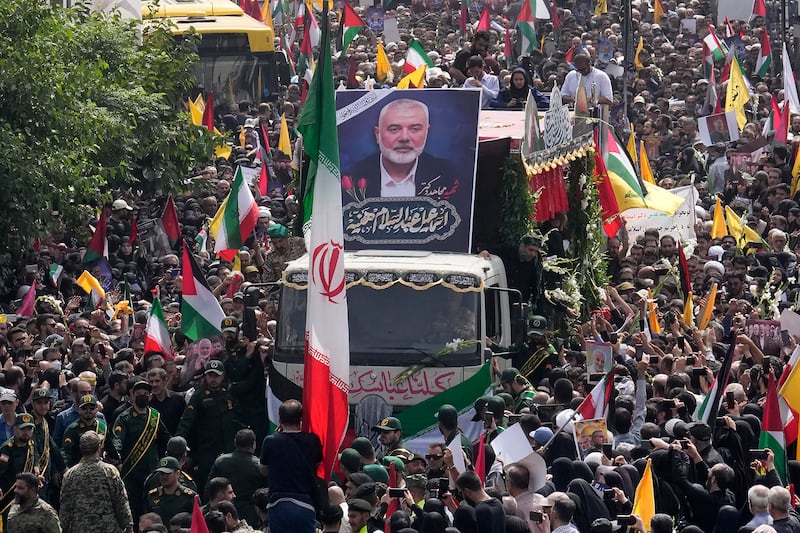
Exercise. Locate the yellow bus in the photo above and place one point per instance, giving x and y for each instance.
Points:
(237, 52)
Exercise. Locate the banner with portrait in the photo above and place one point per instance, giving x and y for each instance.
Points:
(408, 160)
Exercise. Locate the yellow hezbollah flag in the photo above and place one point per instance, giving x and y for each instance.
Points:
(89, 283)
(284, 144)
(658, 11)
(708, 309)
(195, 113)
(601, 7)
(718, 229)
(644, 502)
(790, 390)
(795, 174)
(200, 102)
(688, 310)
(644, 166)
(382, 67)
(631, 147)
(652, 317)
(415, 80)
(738, 94)
(636, 61)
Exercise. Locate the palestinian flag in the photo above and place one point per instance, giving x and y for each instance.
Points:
(759, 8)
(419, 422)
(465, 5)
(235, 220)
(202, 239)
(595, 405)
(55, 273)
(169, 219)
(526, 27)
(156, 333)
(26, 306)
(772, 436)
(351, 24)
(98, 245)
(629, 189)
(276, 7)
(609, 209)
(305, 63)
(416, 57)
(279, 389)
(764, 61)
(716, 49)
(708, 409)
(539, 9)
(201, 313)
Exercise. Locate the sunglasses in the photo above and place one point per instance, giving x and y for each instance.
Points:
(433, 457)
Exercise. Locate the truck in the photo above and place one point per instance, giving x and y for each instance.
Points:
(406, 308)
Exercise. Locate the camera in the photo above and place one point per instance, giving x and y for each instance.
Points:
(396, 492)
(535, 516)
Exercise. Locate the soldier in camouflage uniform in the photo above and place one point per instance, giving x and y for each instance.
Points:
(17, 455)
(284, 249)
(87, 420)
(171, 497)
(519, 388)
(30, 513)
(93, 495)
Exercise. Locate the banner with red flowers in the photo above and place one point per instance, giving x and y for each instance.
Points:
(408, 160)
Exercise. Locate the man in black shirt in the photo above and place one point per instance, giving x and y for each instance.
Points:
(480, 47)
(291, 458)
(488, 511)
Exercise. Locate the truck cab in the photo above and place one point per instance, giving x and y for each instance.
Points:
(406, 308)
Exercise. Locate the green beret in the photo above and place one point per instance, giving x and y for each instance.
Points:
(278, 231)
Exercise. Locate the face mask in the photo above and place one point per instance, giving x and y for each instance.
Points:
(141, 401)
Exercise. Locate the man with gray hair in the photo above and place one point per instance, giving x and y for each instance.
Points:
(400, 167)
(780, 501)
(758, 501)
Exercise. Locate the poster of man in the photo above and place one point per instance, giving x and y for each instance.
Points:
(766, 334)
(599, 357)
(590, 435)
(407, 151)
(375, 19)
(719, 128)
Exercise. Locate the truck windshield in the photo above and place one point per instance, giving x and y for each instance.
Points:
(393, 326)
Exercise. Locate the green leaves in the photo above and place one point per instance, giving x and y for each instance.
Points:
(88, 107)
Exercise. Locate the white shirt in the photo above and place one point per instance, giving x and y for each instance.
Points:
(490, 87)
(574, 79)
(391, 188)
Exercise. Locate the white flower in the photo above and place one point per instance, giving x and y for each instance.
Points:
(453, 345)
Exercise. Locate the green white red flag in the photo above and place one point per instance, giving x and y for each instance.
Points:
(416, 57)
(156, 333)
(327, 355)
(235, 220)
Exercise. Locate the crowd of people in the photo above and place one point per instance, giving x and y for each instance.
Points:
(99, 435)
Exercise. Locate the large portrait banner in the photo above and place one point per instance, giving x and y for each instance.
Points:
(408, 160)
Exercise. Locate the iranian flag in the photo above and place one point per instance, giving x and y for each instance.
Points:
(235, 220)
(764, 61)
(715, 48)
(416, 57)
(156, 333)
(352, 24)
(98, 245)
(526, 25)
(420, 427)
(772, 436)
(201, 314)
(596, 403)
(327, 354)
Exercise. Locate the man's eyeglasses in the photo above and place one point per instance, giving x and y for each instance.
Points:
(430, 457)
(51, 324)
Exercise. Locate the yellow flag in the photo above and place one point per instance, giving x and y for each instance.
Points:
(751, 235)
(738, 94)
(795, 179)
(200, 103)
(734, 225)
(415, 80)
(645, 499)
(708, 309)
(266, 13)
(658, 11)
(89, 283)
(636, 61)
(382, 67)
(652, 317)
(688, 310)
(195, 113)
(631, 147)
(644, 166)
(284, 144)
(601, 7)
(718, 229)
(223, 151)
(237, 263)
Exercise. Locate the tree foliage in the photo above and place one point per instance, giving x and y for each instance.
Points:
(87, 106)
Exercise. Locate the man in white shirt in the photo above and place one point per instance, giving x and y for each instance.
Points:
(487, 83)
(584, 75)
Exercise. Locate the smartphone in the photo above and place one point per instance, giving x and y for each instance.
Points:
(720, 421)
(758, 455)
(607, 450)
(689, 360)
(488, 418)
(535, 516)
(698, 372)
(396, 492)
(682, 345)
(626, 520)
(654, 359)
(444, 486)
(684, 443)
(730, 402)
(595, 378)
(513, 419)
(175, 272)
(609, 495)
(784, 337)
(639, 352)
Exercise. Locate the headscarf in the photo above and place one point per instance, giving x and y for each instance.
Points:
(464, 519)
(562, 473)
(590, 504)
(522, 93)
